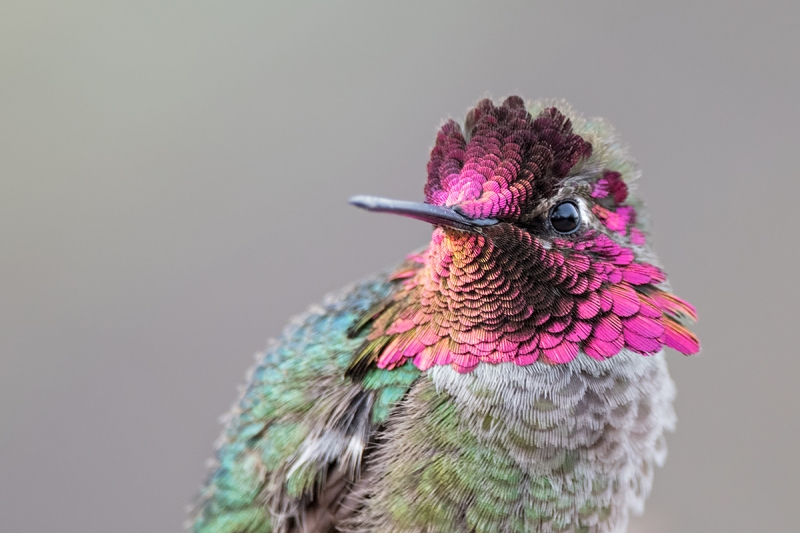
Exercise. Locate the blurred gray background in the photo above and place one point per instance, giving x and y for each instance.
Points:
(173, 186)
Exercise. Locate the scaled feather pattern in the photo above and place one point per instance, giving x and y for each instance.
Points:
(513, 293)
(507, 378)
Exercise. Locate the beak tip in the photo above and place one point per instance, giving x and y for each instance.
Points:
(363, 201)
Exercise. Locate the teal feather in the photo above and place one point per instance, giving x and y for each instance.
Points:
(285, 402)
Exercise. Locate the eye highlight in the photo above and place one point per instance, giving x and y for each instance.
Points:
(565, 217)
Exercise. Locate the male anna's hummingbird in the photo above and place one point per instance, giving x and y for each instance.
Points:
(508, 378)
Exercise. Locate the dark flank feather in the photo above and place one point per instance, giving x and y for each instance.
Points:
(295, 441)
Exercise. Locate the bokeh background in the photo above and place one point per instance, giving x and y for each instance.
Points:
(173, 186)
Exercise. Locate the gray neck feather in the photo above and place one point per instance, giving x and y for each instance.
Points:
(605, 419)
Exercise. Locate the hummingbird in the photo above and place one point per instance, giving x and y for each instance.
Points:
(509, 377)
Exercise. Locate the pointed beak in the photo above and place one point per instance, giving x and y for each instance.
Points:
(434, 214)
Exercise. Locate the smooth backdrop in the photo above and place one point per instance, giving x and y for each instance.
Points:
(173, 186)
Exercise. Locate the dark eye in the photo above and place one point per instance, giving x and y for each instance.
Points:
(565, 217)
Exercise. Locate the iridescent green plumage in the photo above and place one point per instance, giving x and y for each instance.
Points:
(297, 391)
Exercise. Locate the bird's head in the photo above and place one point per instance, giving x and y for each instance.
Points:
(540, 249)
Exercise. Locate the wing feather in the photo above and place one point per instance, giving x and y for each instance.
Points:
(294, 443)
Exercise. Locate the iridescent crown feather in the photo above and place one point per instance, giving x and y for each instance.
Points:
(514, 290)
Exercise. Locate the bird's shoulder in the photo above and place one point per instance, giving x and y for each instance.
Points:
(296, 438)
